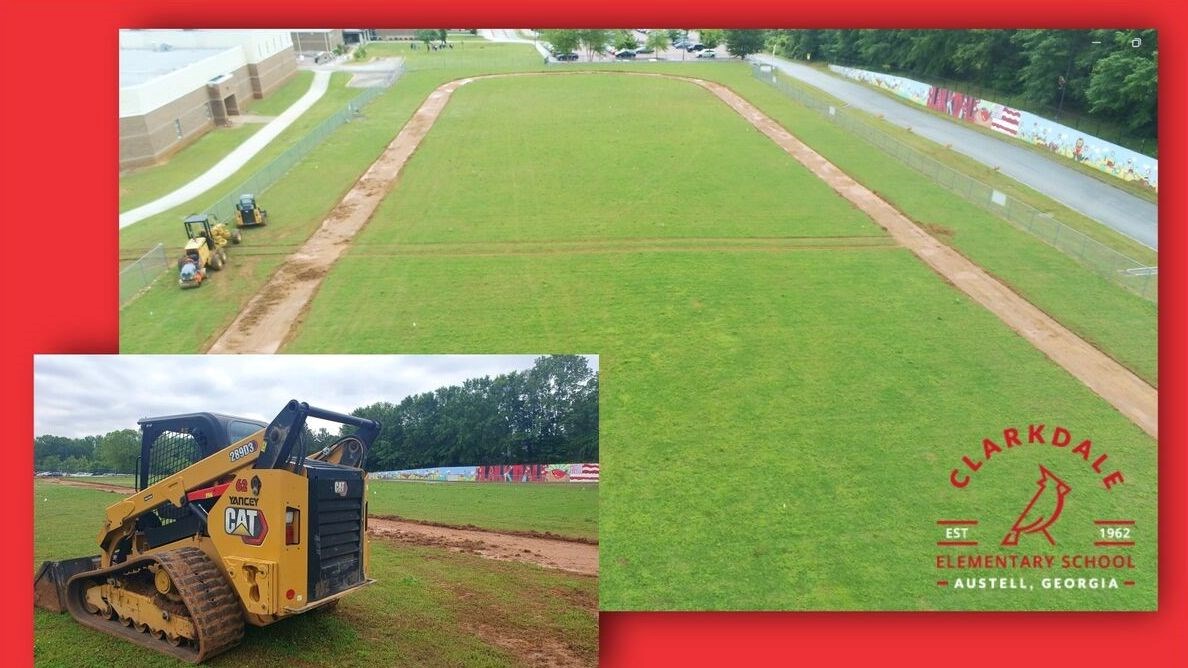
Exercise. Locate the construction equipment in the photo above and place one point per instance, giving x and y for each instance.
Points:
(232, 524)
(248, 213)
(205, 248)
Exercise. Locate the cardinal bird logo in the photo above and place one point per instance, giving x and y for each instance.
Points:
(1042, 510)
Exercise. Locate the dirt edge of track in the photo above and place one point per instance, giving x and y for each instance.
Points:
(545, 535)
(565, 555)
(544, 549)
(274, 313)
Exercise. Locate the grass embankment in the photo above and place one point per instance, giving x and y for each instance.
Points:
(569, 510)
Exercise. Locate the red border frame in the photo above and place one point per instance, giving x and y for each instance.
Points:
(54, 301)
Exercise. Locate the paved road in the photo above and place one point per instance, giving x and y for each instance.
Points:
(236, 158)
(1115, 208)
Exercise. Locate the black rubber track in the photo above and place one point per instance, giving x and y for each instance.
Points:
(209, 599)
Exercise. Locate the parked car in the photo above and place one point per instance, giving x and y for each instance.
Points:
(644, 50)
(625, 54)
(694, 47)
(707, 54)
(567, 56)
(681, 44)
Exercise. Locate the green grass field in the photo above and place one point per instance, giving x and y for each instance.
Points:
(778, 420)
(565, 510)
(780, 409)
(146, 184)
(1114, 319)
(431, 607)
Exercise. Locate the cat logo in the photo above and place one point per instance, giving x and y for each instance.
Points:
(340, 487)
(247, 523)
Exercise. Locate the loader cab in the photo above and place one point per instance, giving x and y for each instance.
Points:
(171, 443)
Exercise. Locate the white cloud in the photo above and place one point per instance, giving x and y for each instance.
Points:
(81, 395)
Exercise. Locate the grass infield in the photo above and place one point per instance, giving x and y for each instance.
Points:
(779, 421)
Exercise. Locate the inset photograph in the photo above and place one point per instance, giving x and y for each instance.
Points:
(432, 510)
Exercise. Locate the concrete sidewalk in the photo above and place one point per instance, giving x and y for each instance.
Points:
(504, 35)
(235, 159)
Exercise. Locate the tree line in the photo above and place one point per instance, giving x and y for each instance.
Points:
(1106, 75)
(544, 415)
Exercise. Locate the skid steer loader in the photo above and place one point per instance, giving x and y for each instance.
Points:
(248, 213)
(232, 524)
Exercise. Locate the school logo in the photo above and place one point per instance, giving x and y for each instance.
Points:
(1042, 510)
(1087, 551)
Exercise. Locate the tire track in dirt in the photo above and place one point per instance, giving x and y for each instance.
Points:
(274, 312)
(677, 245)
(554, 553)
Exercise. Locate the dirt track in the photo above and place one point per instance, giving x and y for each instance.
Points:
(103, 486)
(273, 313)
(268, 317)
(555, 553)
(1131, 395)
(550, 553)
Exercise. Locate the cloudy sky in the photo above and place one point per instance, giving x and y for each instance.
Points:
(82, 395)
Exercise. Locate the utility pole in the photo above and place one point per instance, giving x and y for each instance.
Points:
(1062, 81)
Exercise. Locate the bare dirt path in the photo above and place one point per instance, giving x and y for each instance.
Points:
(550, 553)
(266, 320)
(1131, 395)
(272, 313)
(554, 553)
(103, 486)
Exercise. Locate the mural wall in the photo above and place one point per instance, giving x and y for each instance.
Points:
(498, 473)
(1068, 142)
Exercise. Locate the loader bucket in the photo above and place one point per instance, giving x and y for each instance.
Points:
(49, 587)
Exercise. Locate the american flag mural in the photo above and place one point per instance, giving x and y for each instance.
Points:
(1006, 121)
(583, 473)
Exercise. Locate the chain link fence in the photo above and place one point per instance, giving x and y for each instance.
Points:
(268, 175)
(1101, 259)
(140, 274)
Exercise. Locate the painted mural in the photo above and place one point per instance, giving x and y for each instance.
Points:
(498, 473)
(1068, 142)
